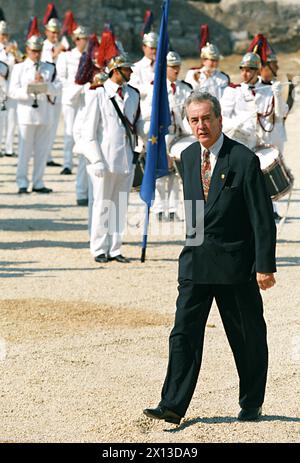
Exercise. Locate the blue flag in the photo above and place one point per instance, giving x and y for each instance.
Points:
(156, 158)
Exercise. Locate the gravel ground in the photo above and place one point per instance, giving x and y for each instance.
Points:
(83, 347)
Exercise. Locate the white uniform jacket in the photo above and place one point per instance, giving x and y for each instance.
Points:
(8, 59)
(22, 75)
(47, 51)
(215, 84)
(142, 76)
(250, 114)
(179, 125)
(66, 66)
(104, 135)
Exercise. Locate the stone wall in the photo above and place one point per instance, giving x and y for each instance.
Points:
(232, 23)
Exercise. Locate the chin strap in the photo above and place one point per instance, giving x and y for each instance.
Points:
(125, 79)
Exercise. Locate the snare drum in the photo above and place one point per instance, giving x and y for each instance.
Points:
(177, 146)
(279, 179)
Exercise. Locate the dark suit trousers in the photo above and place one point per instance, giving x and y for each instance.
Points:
(241, 310)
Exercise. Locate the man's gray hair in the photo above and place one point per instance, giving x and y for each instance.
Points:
(197, 97)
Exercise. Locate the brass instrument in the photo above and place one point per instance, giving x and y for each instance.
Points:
(12, 47)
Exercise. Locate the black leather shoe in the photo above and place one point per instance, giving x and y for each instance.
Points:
(43, 190)
(53, 164)
(66, 171)
(102, 259)
(120, 258)
(250, 414)
(23, 191)
(11, 155)
(162, 413)
(82, 202)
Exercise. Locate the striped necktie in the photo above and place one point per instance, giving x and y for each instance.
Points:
(205, 172)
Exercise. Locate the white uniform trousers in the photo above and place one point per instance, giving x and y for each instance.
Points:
(10, 125)
(166, 194)
(69, 113)
(56, 108)
(82, 186)
(2, 127)
(109, 212)
(32, 142)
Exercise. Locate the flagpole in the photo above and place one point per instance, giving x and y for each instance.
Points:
(145, 235)
(156, 159)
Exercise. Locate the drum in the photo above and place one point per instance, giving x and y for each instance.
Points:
(279, 179)
(176, 148)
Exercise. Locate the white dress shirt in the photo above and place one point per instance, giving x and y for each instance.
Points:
(214, 151)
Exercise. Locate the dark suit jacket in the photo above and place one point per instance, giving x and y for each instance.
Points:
(239, 228)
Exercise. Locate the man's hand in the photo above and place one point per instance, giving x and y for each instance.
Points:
(96, 169)
(265, 280)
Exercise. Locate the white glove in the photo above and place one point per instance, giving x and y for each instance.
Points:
(276, 88)
(96, 169)
(281, 107)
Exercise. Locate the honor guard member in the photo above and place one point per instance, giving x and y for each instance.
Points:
(143, 70)
(67, 65)
(112, 119)
(208, 78)
(8, 116)
(167, 188)
(143, 75)
(251, 109)
(268, 76)
(32, 84)
(51, 49)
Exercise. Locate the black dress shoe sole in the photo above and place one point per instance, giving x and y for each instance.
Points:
(120, 261)
(44, 191)
(101, 259)
(53, 164)
(164, 416)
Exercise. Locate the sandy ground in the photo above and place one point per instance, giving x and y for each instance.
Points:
(83, 346)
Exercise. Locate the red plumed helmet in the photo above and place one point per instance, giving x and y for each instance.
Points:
(33, 28)
(87, 68)
(204, 36)
(260, 46)
(107, 49)
(69, 24)
(50, 13)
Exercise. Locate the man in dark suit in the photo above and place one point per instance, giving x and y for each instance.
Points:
(235, 259)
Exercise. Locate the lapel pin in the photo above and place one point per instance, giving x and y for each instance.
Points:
(222, 176)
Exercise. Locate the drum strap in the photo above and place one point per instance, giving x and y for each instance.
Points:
(267, 114)
(128, 126)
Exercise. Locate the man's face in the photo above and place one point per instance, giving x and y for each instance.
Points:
(249, 75)
(269, 71)
(34, 55)
(52, 36)
(211, 64)
(172, 73)
(81, 44)
(205, 125)
(124, 74)
(149, 52)
(3, 38)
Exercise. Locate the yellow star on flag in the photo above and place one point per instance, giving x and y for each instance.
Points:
(153, 140)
